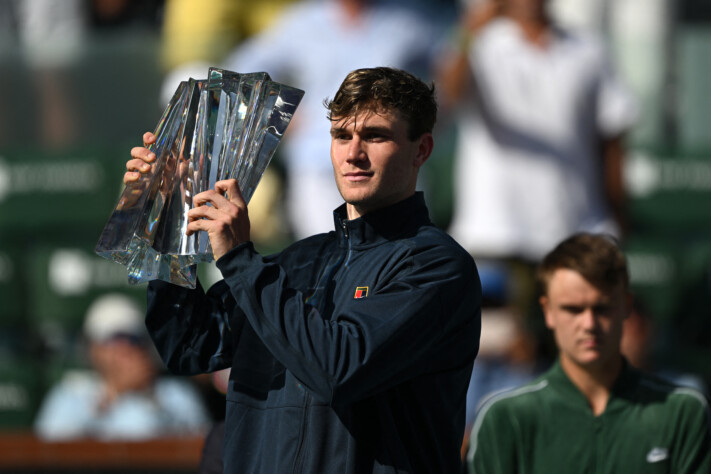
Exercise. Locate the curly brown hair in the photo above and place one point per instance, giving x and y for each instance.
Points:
(597, 257)
(383, 89)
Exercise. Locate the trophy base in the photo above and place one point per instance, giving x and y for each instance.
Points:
(147, 264)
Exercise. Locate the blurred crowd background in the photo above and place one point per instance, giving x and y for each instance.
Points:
(81, 80)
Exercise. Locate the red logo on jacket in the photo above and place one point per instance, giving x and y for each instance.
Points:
(361, 292)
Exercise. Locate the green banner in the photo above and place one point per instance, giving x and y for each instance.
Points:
(58, 192)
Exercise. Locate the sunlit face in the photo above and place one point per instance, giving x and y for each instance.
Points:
(374, 162)
(586, 322)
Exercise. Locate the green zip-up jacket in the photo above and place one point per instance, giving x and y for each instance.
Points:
(547, 426)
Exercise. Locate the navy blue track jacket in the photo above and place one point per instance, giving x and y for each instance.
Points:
(351, 351)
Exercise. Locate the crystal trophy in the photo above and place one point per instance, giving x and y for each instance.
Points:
(226, 126)
(122, 237)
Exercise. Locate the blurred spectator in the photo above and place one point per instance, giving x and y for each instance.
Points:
(108, 14)
(197, 35)
(541, 119)
(541, 132)
(50, 35)
(123, 396)
(313, 45)
(639, 335)
(52, 38)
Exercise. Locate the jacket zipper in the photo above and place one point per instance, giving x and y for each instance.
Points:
(348, 243)
(299, 459)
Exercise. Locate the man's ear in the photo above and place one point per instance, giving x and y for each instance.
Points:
(425, 146)
(629, 304)
(543, 300)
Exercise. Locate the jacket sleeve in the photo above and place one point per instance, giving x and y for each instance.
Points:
(693, 439)
(194, 332)
(492, 443)
(425, 320)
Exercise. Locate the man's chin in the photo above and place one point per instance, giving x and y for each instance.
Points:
(587, 359)
(358, 198)
(595, 359)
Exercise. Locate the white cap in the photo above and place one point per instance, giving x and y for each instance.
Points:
(111, 315)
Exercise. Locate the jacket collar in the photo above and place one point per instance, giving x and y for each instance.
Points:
(396, 221)
(624, 385)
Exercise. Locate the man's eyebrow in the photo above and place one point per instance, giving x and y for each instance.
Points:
(377, 129)
(367, 129)
(337, 130)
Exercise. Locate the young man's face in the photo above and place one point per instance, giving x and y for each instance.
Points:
(586, 321)
(374, 162)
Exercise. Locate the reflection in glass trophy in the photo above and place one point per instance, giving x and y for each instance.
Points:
(149, 263)
(134, 214)
(226, 126)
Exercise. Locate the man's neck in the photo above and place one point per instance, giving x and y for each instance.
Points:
(354, 211)
(595, 382)
(535, 28)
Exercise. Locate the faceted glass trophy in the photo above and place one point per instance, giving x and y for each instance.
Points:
(134, 215)
(148, 263)
(227, 126)
(171, 257)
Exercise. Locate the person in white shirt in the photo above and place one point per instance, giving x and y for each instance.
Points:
(541, 132)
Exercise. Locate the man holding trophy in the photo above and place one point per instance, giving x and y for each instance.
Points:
(350, 351)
